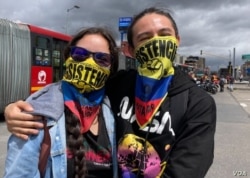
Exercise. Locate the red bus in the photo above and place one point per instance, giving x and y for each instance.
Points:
(30, 58)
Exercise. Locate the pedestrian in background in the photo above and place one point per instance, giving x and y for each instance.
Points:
(241, 77)
(222, 83)
(231, 83)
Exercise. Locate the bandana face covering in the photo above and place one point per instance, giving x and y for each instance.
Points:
(155, 73)
(156, 56)
(86, 75)
(85, 106)
(83, 89)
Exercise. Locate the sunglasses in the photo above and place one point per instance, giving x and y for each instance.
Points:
(81, 54)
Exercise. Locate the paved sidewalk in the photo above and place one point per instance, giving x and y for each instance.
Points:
(231, 155)
(240, 85)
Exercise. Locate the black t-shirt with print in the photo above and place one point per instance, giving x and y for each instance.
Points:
(97, 153)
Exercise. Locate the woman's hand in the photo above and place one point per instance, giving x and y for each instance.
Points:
(20, 123)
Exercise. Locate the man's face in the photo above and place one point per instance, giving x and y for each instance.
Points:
(152, 25)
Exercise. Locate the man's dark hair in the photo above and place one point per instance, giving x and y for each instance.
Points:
(150, 10)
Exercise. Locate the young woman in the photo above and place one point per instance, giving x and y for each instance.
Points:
(78, 114)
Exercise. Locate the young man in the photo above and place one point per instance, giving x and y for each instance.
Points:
(165, 123)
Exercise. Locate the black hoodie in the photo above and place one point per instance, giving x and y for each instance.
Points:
(179, 142)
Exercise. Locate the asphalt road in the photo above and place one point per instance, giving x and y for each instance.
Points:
(3, 148)
(232, 145)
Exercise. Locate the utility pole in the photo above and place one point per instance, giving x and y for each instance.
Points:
(67, 20)
(229, 55)
(234, 63)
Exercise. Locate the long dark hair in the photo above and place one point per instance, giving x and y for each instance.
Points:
(150, 10)
(74, 137)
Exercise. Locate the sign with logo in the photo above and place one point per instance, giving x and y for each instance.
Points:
(40, 76)
(246, 57)
(124, 22)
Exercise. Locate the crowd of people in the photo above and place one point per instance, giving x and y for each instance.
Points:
(145, 123)
(218, 81)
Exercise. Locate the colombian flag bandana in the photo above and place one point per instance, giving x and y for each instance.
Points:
(85, 106)
(155, 74)
(86, 76)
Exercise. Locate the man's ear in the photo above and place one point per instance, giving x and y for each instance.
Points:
(131, 51)
(178, 40)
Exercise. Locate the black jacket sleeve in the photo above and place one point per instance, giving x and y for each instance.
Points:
(193, 151)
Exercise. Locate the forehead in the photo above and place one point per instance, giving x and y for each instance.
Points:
(94, 43)
(152, 23)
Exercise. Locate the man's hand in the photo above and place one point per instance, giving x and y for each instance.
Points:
(19, 123)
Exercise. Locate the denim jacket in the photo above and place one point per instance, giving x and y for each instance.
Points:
(23, 156)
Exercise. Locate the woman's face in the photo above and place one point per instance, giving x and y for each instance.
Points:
(94, 43)
(88, 68)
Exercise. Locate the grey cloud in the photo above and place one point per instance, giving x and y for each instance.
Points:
(215, 26)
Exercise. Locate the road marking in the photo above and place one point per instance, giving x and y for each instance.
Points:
(243, 105)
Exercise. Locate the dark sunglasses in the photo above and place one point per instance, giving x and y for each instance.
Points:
(81, 54)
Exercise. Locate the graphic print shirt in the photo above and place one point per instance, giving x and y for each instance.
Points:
(144, 152)
(97, 153)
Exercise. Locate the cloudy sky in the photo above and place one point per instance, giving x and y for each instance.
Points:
(216, 27)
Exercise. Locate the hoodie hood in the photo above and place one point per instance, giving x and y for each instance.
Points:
(180, 82)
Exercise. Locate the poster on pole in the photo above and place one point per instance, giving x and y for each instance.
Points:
(124, 22)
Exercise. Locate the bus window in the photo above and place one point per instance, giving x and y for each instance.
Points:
(46, 59)
(42, 42)
(57, 59)
(42, 52)
(39, 56)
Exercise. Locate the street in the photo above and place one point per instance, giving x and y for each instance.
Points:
(232, 155)
(3, 140)
(232, 146)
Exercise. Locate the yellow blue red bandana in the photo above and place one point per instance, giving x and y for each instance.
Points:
(85, 106)
(86, 76)
(155, 73)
